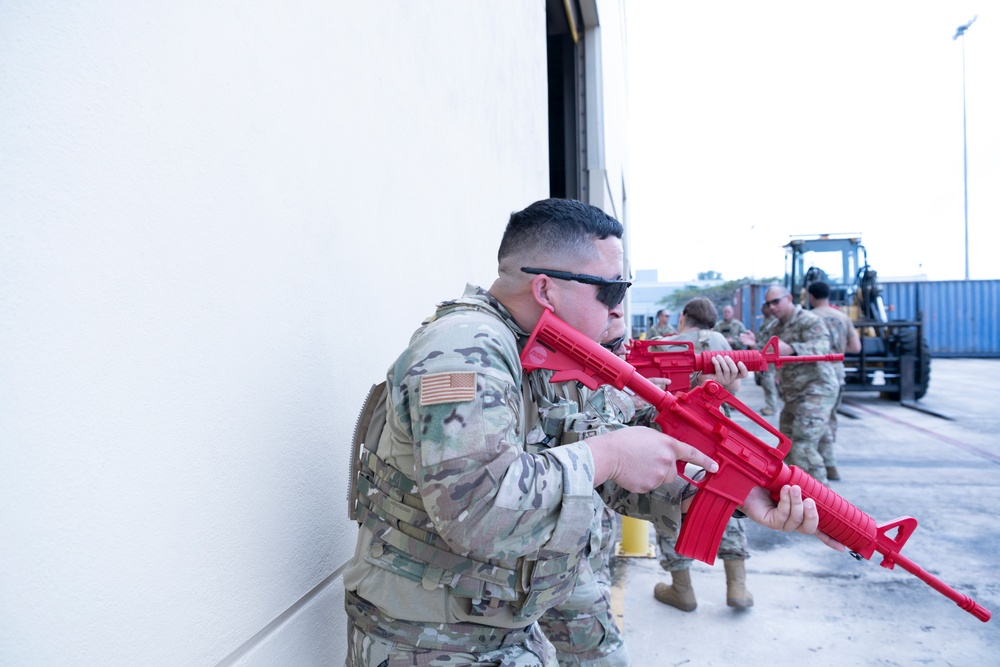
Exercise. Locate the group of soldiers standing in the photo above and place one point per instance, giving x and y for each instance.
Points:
(811, 394)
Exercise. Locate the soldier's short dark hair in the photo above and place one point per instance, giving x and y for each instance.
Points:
(700, 312)
(557, 224)
(819, 290)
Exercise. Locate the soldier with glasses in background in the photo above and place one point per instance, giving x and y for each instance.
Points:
(809, 390)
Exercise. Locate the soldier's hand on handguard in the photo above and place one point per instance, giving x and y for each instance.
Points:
(792, 512)
(727, 372)
(640, 459)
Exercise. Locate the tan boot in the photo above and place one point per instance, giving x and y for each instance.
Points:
(737, 594)
(679, 594)
(832, 474)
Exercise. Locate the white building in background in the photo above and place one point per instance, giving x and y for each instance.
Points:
(647, 298)
(220, 222)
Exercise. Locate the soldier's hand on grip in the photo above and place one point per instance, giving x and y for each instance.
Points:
(640, 459)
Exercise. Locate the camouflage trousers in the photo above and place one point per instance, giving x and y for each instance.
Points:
(583, 629)
(375, 640)
(829, 438)
(732, 547)
(804, 419)
(770, 389)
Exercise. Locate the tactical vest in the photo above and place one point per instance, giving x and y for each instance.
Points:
(560, 418)
(406, 542)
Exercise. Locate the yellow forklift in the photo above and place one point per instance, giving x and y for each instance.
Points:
(895, 358)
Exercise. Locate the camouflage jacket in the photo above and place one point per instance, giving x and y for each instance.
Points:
(489, 488)
(656, 331)
(731, 332)
(808, 335)
(839, 326)
(703, 340)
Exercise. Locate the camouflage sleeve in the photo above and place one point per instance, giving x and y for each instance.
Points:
(814, 339)
(487, 496)
(661, 506)
(737, 344)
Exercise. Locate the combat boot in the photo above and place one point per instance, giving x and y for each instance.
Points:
(678, 594)
(832, 474)
(737, 594)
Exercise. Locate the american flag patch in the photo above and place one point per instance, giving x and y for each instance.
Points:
(447, 388)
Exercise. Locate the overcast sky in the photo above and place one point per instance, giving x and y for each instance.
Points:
(753, 121)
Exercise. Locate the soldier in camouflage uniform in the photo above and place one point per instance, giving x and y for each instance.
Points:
(582, 629)
(661, 327)
(767, 383)
(696, 326)
(475, 519)
(809, 390)
(843, 338)
(730, 328)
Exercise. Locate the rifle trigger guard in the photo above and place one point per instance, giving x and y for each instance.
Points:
(697, 480)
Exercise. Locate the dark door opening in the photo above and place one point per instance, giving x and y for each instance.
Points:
(565, 84)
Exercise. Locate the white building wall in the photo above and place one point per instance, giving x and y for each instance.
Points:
(607, 95)
(219, 222)
(607, 111)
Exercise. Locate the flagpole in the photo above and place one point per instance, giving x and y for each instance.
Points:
(960, 32)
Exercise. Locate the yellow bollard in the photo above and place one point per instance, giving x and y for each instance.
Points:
(635, 539)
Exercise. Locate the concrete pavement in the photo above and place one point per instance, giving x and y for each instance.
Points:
(815, 606)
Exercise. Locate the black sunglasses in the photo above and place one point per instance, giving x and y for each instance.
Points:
(609, 292)
(774, 302)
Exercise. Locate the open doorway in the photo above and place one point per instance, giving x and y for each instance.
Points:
(567, 141)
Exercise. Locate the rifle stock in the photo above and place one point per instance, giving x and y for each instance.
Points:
(744, 460)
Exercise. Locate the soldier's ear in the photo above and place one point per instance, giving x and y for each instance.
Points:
(543, 289)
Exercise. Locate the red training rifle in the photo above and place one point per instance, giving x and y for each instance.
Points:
(678, 364)
(744, 460)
